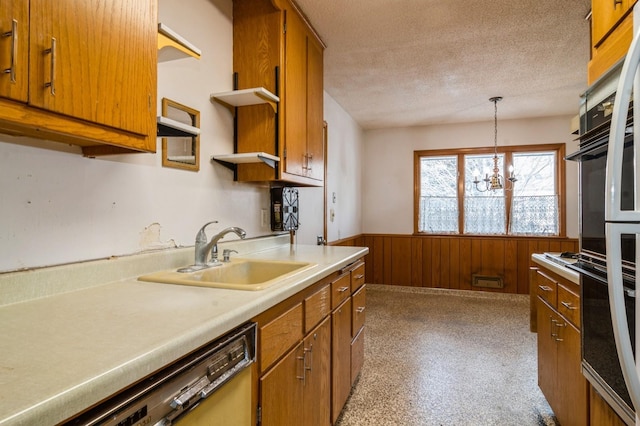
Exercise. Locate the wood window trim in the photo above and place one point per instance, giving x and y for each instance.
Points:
(508, 152)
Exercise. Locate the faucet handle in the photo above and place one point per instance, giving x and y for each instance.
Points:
(201, 236)
(226, 254)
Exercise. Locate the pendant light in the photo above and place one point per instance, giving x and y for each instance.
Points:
(494, 181)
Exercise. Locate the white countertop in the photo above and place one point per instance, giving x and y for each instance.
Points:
(560, 269)
(62, 353)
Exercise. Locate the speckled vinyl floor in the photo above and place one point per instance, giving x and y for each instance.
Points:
(439, 357)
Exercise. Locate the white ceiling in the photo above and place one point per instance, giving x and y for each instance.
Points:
(396, 63)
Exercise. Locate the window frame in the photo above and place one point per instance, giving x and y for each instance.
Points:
(508, 152)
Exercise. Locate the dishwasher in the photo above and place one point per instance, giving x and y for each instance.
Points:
(211, 386)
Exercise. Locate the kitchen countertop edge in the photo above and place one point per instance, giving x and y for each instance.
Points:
(77, 397)
(561, 270)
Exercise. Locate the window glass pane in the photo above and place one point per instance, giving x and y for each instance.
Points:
(438, 195)
(534, 208)
(536, 173)
(484, 211)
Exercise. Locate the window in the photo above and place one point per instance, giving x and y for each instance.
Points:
(448, 202)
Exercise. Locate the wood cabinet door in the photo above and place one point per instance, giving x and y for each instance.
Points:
(605, 15)
(295, 95)
(317, 383)
(281, 391)
(315, 113)
(357, 355)
(14, 49)
(572, 392)
(547, 347)
(341, 357)
(95, 60)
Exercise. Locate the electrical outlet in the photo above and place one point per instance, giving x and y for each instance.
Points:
(264, 218)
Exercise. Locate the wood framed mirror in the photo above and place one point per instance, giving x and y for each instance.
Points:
(181, 152)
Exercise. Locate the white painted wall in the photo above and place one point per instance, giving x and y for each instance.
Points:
(387, 201)
(58, 207)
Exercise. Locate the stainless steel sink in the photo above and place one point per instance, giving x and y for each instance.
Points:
(239, 274)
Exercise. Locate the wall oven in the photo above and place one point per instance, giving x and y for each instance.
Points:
(600, 363)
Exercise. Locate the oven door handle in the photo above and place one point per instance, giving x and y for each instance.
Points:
(613, 232)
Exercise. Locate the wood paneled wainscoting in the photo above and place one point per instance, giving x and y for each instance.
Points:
(445, 261)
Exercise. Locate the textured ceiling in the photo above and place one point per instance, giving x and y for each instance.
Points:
(396, 63)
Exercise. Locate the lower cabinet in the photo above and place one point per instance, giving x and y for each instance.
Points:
(600, 412)
(296, 390)
(310, 351)
(559, 359)
(341, 359)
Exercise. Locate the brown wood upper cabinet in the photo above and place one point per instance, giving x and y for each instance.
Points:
(80, 72)
(275, 47)
(606, 16)
(611, 33)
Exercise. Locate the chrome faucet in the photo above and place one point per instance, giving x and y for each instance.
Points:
(204, 247)
(213, 244)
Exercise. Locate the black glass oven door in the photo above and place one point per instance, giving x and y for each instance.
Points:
(599, 355)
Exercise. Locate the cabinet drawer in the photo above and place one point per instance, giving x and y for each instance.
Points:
(546, 288)
(358, 310)
(340, 290)
(316, 307)
(357, 355)
(569, 305)
(280, 335)
(357, 277)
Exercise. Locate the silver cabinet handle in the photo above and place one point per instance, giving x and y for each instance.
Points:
(544, 287)
(359, 276)
(360, 309)
(14, 50)
(51, 84)
(310, 352)
(568, 305)
(304, 369)
(553, 323)
(558, 324)
(616, 3)
(343, 289)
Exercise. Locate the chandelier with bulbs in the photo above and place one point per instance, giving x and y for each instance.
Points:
(494, 181)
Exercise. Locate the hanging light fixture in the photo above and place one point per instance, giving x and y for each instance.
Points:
(493, 182)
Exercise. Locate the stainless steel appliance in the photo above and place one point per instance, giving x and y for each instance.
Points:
(622, 221)
(600, 358)
(208, 387)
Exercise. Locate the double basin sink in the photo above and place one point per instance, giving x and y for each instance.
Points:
(238, 274)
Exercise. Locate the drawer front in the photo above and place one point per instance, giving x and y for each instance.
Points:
(340, 290)
(316, 307)
(569, 305)
(280, 335)
(358, 310)
(546, 288)
(357, 277)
